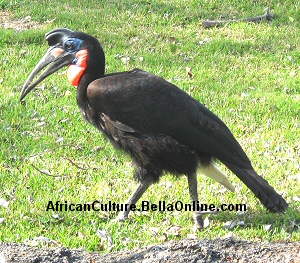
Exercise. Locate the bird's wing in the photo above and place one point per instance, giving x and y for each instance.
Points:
(150, 104)
(118, 125)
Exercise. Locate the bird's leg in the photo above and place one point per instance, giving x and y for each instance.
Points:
(197, 217)
(137, 194)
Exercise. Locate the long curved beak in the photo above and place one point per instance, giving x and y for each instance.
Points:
(56, 58)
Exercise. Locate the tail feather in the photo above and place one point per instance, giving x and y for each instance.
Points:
(214, 173)
(261, 188)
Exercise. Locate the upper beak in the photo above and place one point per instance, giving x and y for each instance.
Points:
(56, 58)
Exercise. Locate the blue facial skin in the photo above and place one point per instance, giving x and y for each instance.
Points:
(72, 44)
(74, 62)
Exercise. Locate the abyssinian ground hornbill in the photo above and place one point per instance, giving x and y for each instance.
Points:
(158, 124)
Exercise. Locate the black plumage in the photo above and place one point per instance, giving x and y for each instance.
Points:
(158, 124)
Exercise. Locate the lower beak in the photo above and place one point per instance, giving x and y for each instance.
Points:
(56, 58)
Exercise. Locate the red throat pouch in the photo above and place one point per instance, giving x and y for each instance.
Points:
(75, 71)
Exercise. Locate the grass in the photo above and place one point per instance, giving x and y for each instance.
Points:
(248, 74)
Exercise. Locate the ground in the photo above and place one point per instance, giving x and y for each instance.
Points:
(187, 250)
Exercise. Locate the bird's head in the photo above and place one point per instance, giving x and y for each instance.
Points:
(81, 52)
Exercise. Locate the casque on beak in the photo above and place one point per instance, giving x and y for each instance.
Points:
(56, 58)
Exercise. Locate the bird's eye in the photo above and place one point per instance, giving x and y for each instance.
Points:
(68, 45)
(72, 44)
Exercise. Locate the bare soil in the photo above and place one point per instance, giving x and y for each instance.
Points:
(8, 22)
(187, 250)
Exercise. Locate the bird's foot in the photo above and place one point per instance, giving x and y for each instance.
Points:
(198, 222)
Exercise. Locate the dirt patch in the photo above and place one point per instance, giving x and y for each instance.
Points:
(20, 24)
(187, 250)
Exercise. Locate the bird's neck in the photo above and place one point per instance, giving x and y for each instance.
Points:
(78, 67)
(92, 66)
(82, 100)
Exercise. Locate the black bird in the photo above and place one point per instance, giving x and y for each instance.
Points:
(159, 125)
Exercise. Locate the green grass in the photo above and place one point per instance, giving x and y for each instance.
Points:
(248, 74)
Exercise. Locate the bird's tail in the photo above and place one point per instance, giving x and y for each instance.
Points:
(261, 188)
